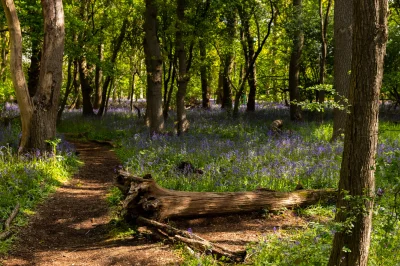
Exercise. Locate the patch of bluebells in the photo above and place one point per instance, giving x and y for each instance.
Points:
(234, 155)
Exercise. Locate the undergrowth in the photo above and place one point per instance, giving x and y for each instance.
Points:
(243, 154)
(28, 178)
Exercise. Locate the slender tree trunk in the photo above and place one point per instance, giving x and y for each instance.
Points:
(170, 91)
(97, 78)
(324, 20)
(118, 44)
(68, 90)
(294, 68)
(357, 181)
(132, 91)
(154, 112)
(228, 61)
(342, 60)
(220, 89)
(249, 53)
(205, 89)
(86, 88)
(4, 55)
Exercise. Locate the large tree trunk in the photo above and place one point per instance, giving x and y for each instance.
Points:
(50, 79)
(145, 198)
(294, 68)
(182, 124)
(38, 114)
(357, 181)
(342, 60)
(154, 112)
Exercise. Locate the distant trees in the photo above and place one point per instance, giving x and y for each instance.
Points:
(38, 109)
(357, 181)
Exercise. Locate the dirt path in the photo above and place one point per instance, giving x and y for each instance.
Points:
(72, 226)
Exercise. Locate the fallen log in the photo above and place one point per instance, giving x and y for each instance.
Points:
(143, 197)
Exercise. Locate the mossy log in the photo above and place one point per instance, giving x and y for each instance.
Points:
(143, 197)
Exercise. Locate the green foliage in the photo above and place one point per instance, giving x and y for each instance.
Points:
(309, 246)
(341, 104)
(114, 196)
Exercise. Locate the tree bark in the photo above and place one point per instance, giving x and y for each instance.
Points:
(154, 112)
(342, 61)
(145, 198)
(357, 181)
(47, 96)
(294, 67)
(86, 87)
(249, 52)
(118, 44)
(324, 20)
(205, 89)
(228, 61)
(182, 124)
(38, 114)
(68, 90)
(98, 77)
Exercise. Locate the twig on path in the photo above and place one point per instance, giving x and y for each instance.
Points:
(7, 232)
(193, 241)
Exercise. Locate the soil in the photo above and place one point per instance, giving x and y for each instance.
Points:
(72, 227)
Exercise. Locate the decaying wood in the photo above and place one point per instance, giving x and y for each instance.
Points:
(192, 240)
(276, 126)
(7, 232)
(145, 198)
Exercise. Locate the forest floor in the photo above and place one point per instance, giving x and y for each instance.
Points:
(72, 227)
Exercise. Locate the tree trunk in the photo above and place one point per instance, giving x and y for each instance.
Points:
(34, 68)
(170, 91)
(98, 77)
(228, 61)
(21, 89)
(38, 114)
(294, 67)
(145, 198)
(182, 124)
(4, 55)
(118, 44)
(154, 112)
(342, 61)
(68, 90)
(357, 181)
(324, 20)
(205, 89)
(86, 88)
(249, 53)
